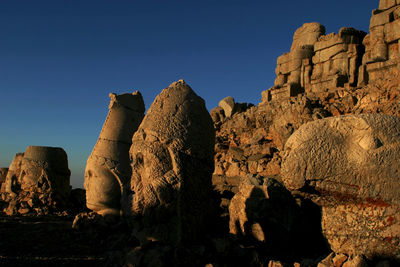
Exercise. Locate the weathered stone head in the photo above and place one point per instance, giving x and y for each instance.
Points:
(11, 182)
(172, 164)
(108, 168)
(45, 170)
(353, 163)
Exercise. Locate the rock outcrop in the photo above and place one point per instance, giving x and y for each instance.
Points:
(172, 162)
(108, 169)
(350, 164)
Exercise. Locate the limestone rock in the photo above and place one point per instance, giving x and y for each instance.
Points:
(307, 34)
(228, 105)
(352, 161)
(336, 60)
(3, 175)
(382, 54)
(108, 169)
(10, 184)
(172, 163)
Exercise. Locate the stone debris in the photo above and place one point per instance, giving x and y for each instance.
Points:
(108, 169)
(172, 162)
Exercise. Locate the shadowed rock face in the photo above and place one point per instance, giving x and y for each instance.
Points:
(353, 162)
(172, 163)
(108, 168)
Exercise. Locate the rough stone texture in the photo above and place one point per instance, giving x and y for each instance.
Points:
(382, 54)
(3, 175)
(352, 161)
(336, 60)
(293, 68)
(228, 105)
(14, 171)
(262, 210)
(38, 181)
(172, 162)
(317, 62)
(108, 169)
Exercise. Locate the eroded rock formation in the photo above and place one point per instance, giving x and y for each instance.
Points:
(108, 169)
(353, 163)
(172, 162)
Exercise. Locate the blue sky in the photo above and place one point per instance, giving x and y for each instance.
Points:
(60, 59)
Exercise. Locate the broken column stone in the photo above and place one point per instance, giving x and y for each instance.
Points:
(382, 54)
(350, 167)
(336, 60)
(172, 163)
(108, 168)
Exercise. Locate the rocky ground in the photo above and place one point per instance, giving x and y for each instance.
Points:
(47, 241)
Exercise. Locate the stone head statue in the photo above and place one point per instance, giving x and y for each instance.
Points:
(45, 170)
(172, 164)
(108, 168)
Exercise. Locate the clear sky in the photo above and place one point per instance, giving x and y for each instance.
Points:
(59, 59)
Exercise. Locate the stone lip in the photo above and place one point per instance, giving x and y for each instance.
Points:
(55, 157)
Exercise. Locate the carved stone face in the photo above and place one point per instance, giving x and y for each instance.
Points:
(153, 175)
(45, 169)
(172, 163)
(103, 191)
(31, 174)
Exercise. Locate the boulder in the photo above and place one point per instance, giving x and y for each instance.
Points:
(228, 105)
(263, 210)
(108, 168)
(350, 167)
(172, 164)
